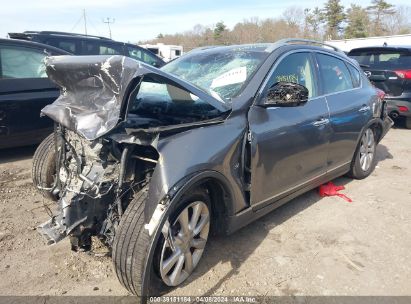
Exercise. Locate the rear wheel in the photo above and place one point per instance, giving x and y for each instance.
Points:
(408, 122)
(44, 167)
(178, 250)
(364, 158)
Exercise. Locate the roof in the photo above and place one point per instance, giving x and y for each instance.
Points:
(270, 47)
(382, 48)
(54, 33)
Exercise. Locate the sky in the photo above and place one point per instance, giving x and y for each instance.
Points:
(137, 20)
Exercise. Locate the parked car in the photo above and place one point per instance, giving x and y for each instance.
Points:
(210, 142)
(79, 44)
(24, 91)
(389, 69)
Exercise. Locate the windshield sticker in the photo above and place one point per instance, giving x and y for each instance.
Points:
(287, 78)
(233, 76)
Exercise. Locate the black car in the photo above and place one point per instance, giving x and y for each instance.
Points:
(79, 44)
(24, 91)
(389, 69)
(155, 159)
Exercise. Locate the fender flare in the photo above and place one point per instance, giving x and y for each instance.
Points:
(173, 197)
(375, 120)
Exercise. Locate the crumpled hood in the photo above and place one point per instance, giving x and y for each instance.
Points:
(93, 89)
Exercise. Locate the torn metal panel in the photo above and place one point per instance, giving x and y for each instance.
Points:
(94, 89)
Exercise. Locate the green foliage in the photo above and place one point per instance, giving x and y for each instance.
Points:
(357, 22)
(378, 9)
(333, 15)
(331, 21)
(219, 29)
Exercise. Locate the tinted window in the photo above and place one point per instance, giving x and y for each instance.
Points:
(141, 55)
(90, 47)
(296, 68)
(17, 62)
(64, 44)
(334, 73)
(382, 59)
(355, 75)
(110, 49)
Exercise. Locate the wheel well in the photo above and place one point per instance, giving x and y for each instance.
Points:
(377, 128)
(221, 199)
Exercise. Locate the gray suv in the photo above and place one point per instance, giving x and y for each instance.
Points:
(154, 160)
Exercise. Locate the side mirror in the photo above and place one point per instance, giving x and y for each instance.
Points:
(286, 94)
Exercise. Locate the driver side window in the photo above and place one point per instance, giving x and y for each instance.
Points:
(295, 68)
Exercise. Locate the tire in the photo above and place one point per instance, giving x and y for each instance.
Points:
(364, 159)
(131, 243)
(408, 122)
(44, 167)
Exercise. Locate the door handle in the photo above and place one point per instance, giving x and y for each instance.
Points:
(364, 108)
(322, 121)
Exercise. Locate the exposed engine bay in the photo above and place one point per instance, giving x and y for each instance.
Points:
(95, 181)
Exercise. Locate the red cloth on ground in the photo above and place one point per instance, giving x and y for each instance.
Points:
(332, 190)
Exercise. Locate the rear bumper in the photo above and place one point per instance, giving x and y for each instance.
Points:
(395, 106)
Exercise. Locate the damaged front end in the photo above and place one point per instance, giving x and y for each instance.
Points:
(96, 180)
(105, 144)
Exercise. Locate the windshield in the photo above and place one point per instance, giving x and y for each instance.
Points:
(222, 72)
(382, 59)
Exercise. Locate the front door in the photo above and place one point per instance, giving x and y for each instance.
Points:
(288, 144)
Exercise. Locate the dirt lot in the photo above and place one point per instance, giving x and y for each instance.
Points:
(311, 246)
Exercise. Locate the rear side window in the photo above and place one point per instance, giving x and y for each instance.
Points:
(68, 45)
(334, 74)
(110, 49)
(141, 55)
(382, 59)
(17, 62)
(356, 77)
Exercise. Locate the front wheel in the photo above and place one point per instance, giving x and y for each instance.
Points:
(178, 250)
(43, 171)
(364, 160)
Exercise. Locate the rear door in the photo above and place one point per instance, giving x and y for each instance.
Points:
(387, 68)
(24, 91)
(350, 107)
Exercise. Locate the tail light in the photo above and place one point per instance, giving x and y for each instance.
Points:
(403, 108)
(381, 93)
(404, 74)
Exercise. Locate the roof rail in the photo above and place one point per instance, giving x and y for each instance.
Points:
(308, 41)
(64, 34)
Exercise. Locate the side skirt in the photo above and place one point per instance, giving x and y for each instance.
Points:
(251, 214)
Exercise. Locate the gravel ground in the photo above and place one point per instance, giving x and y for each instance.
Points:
(310, 246)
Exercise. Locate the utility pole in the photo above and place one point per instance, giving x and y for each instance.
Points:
(85, 20)
(108, 21)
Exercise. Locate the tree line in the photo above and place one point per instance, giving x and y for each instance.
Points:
(332, 21)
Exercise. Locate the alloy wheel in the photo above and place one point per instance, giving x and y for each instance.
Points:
(367, 150)
(185, 243)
